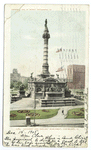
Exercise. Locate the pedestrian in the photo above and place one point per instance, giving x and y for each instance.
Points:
(63, 112)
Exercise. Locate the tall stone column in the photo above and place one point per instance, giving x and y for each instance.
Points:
(46, 36)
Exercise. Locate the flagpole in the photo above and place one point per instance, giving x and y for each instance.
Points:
(60, 50)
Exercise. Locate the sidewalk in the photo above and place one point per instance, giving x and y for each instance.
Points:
(28, 104)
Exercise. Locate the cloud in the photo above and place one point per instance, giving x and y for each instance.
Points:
(53, 49)
(28, 37)
(58, 34)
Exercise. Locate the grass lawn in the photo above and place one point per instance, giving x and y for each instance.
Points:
(75, 113)
(40, 114)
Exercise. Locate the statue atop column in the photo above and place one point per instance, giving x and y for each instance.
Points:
(46, 23)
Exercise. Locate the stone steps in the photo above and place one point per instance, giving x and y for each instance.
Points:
(57, 103)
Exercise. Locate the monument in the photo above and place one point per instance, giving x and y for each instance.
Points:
(45, 66)
(47, 88)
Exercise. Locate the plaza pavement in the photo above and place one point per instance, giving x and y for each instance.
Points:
(58, 120)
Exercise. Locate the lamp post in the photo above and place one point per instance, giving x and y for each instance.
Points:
(34, 102)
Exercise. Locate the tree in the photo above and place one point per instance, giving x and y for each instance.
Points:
(22, 87)
(11, 84)
(26, 84)
(67, 92)
(15, 85)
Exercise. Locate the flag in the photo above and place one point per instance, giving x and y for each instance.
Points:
(62, 56)
(59, 56)
(60, 69)
(59, 50)
(65, 56)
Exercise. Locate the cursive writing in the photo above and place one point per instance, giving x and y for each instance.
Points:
(35, 139)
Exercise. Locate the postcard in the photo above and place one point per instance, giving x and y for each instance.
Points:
(46, 49)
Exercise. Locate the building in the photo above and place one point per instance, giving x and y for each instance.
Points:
(16, 77)
(76, 76)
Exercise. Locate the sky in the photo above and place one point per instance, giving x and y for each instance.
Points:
(67, 31)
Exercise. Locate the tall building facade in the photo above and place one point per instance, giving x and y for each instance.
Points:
(76, 76)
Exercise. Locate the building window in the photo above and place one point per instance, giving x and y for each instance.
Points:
(70, 70)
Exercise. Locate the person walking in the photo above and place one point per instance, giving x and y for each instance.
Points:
(63, 112)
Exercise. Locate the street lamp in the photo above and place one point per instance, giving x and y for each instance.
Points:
(34, 102)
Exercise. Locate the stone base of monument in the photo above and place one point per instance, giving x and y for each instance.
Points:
(56, 99)
(50, 95)
(57, 103)
(39, 95)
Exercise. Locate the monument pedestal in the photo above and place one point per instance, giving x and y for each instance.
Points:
(22, 93)
(54, 95)
(56, 99)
